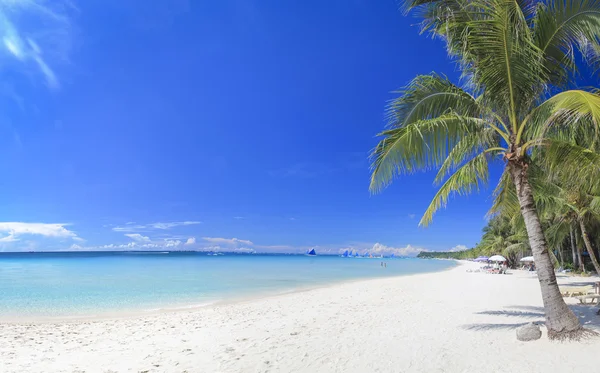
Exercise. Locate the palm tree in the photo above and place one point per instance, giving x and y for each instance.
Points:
(575, 205)
(517, 60)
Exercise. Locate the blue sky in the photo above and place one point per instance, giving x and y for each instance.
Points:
(231, 124)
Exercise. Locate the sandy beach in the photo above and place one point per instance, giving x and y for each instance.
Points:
(450, 321)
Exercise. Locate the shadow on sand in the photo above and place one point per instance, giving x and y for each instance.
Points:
(586, 313)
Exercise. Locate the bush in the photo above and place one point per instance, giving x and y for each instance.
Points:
(589, 267)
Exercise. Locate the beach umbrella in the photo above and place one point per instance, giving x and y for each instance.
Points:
(498, 258)
(528, 259)
(482, 259)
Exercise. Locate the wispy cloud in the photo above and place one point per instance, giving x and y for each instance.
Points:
(239, 217)
(346, 161)
(14, 231)
(227, 241)
(138, 237)
(34, 31)
(411, 216)
(133, 227)
(459, 248)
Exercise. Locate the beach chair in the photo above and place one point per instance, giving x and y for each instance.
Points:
(572, 291)
(592, 297)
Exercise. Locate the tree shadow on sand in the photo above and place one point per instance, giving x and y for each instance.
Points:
(490, 326)
(586, 313)
(514, 313)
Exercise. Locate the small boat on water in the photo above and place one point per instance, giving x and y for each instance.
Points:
(311, 252)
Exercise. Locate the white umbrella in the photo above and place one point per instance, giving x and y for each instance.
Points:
(497, 258)
(528, 259)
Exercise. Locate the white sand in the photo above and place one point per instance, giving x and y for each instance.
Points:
(450, 321)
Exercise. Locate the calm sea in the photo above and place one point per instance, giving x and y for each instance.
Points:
(89, 284)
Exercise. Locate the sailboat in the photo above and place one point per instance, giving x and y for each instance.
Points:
(311, 252)
(345, 254)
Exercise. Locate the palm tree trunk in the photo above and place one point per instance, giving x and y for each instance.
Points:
(573, 250)
(560, 320)
(588, 246)
(579, 254)
(560, 255)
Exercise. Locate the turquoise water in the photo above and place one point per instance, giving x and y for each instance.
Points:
(89, 284)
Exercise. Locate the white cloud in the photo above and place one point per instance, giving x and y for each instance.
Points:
(246, 250)
(110, 247)
(227, 241)
(9, 238)
(14, 230)
(408, 250)
(172, 243)
(238, 217)
(138, 237)
(129, 228)
(190, 241)
(139, 245)
(172, 224)
(132, 227)
(217, 248)
(279, 248)
(47, 21)
(458, 248)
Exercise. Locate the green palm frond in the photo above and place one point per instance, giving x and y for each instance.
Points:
(575, 166)
(515, 248)
(471, 176)
(503, 60)
(562, 26)
(505, 197)
(430, 96)
(557, 232)
(444, 18)
(594, 205)
(417, 146)
(469, 146)
(572, 115)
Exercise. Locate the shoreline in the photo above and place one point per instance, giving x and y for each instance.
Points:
(123, 314)
(416, 323)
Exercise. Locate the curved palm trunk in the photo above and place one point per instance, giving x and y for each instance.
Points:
(573, 250)
(588, 246)
(560, 320)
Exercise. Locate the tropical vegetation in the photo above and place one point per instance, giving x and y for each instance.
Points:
(517, 104)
